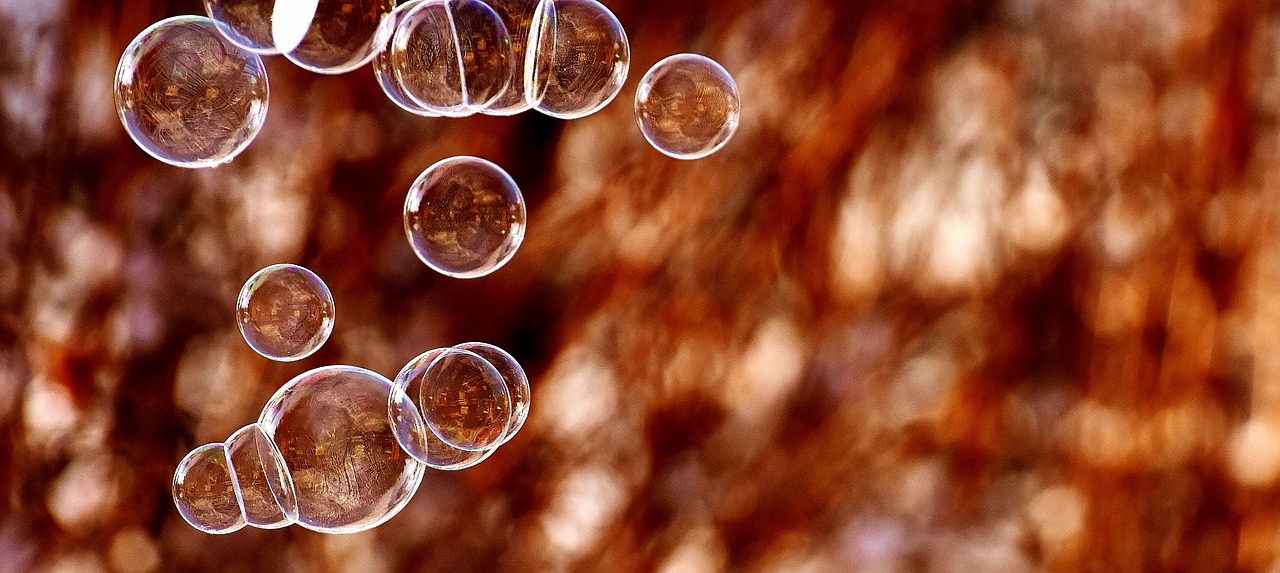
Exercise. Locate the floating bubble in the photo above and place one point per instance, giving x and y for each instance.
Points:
(247, 23)
(189, 97)
(410, 429)
(204, 492)
(331, 427)
(464, 400)
(384, 71)
(464, 217)
(285, 312)
(687, 106)
(262, 482)
(514, 377)
(451, 57)
(517, 15)
(330, 36)
(579, 58)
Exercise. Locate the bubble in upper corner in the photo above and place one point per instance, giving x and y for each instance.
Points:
(330, 36)
(577, 58)
(687, 106)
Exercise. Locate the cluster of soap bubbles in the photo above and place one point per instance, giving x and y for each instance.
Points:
(192, 91)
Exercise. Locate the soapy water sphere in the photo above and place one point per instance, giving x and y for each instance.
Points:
(517, 15)
(189, 97)
(687, 106)
(262, 483)
(464, 217)
(464, 400)
(247, 23)
(285, 312)
(411, 430)
(331, 428)
(330, 36)
(513, 375)
(204, 492)
(451, 57)
(578, 58)
(384, 72)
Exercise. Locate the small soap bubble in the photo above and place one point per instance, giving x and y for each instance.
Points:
(411, 430)
(263, 484)
(204, 492)
(517, 15)
(330, 36)
(464, 217)
(579, 58)
(451, 57)
(687, 106)
(465, 401)
(189, 97)
(285, 312)
(247, 23)
(331, 427)
(514, 377)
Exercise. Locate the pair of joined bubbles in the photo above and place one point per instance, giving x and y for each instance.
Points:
(192, 91)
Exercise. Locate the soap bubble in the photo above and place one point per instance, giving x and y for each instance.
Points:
(451, 57)
(204, 492)
(263, 485)
(384, 71)
(247, 23)
(189, 97)
(579, 59)
(410, 429)
(464, 400)
(464, 217)
(285, 312)
(514, 377)
(330, 36)
(331, 427)
(517, 15)
(687, 106)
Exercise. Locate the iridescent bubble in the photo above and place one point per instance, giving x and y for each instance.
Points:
(189, 97)
(579, 59)
(517, 15)
(333, 433)
(514, 377)
(465, 401)
(451, 57)
(384, 71)
(410, 429)
(464, 217)
(262, 482)
(330, 36)
(204, 492)
(247, 23)
(285, 312)
(687, 106)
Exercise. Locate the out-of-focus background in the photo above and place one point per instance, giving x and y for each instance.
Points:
(977, 286)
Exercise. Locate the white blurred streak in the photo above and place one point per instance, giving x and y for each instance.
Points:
(84, 494)
(49, 413)
(584, 504)
(577, 396)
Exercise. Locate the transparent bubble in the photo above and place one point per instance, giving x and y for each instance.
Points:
(517, 15)
(687, 106)
(464, 217)
(262, 481)
(189, 97)
(247, 23)
(464, 400)
(285, 312)
(384, 71)
(204, 492)
(579, 61)
(333, 433)
(451, 57)
(410, 429)
(330, 36)
(514, 377)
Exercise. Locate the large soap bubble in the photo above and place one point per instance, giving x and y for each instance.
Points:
(464, 217)
(189, 97)
(411, 430)
(451, 57)
(577, 59)
(687, 106)
(330, 36)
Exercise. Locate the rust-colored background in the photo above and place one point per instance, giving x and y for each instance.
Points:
(977, 287)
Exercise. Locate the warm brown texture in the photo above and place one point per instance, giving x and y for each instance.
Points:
(977, 286)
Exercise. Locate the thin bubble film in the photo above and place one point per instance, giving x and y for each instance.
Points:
(285, 312)
(513, 375)
(384, 68)
(263, 485)
(517, 16)
(687, 106)
(580, 58)
(451, 57)
(204, 492)
(330, 36)
(333, 433)
(464, 217)
(246, 23)
(464, 400)
(189, 97)
(411, 430)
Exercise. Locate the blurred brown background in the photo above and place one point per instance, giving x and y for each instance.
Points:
(978, 286)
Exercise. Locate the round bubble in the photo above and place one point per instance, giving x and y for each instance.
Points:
(262, 482)
(517, 15)
(247, 23)
(451, 57)
(579, 59)
(189, 97)
(330, 36)
(464, 400)
(331, 427)
(514, 377)
(204, 492)
(410, 429)
(464, 217)
(384, 71)
(687, 106)
(285, 312)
